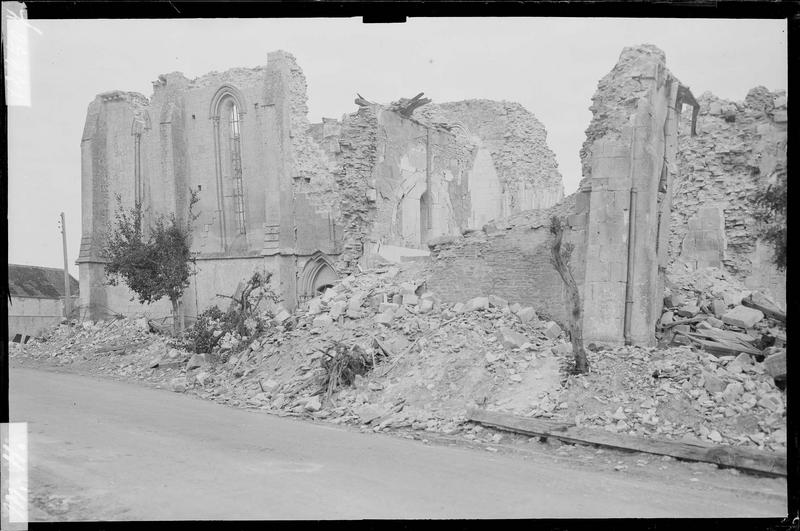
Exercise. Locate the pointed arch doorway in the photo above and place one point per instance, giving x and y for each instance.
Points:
(317, 276)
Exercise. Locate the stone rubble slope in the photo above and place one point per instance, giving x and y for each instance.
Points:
(442, 359)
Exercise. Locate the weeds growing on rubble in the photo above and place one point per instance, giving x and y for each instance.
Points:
(341, 364)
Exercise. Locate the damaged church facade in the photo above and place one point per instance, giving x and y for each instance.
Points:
(473, 183)
(309, 203)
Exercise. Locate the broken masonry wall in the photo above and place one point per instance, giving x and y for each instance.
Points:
(421, 178)
(356, 147)
(181, 137)
(525, 166)
(630, 146)
(509, 258)
(516, 141)
(108, 163)
(740, 145)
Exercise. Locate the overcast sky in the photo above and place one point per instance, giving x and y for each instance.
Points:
(550, 65)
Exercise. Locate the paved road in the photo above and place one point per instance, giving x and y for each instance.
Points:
(109, 450)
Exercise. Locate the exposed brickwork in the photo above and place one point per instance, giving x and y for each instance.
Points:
(511, 258)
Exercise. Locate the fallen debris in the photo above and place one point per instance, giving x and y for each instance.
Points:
(773, 464)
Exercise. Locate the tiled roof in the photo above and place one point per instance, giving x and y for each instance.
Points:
(34, 281)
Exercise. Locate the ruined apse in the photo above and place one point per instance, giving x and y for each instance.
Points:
(308, 203)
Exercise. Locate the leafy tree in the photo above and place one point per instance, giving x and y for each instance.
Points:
(770, 212)
(560, 259)
(156, 263)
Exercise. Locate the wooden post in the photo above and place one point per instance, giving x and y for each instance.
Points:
(67, 299)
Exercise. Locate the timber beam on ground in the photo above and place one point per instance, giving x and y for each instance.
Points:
(752, 460)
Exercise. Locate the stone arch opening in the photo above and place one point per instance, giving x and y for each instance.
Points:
(318, 275)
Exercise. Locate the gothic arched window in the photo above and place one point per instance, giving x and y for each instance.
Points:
(235, 146)
(227, 111)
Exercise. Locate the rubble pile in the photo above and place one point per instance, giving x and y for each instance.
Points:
(677, 393)
(408, 361)
(711, 309)
(428, 361)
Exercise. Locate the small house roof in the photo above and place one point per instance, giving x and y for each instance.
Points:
(35, 281)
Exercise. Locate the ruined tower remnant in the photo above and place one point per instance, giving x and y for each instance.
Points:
(307, 202)
(629, 163)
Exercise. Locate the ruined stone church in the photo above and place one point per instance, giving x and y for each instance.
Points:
(307, 202)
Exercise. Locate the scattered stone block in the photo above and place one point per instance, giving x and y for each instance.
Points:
(196, 361)
(688, 310)
(511, 339)
(387, 306)
(282, 316)
(476, 304)
(527, 315)
(562, 348)
(384, 317)
(667, 318)
(719, 308)
(497, 302)
(742, 316)
(314, 306)
(712, 382)
(409, 299)
(552, 330)
(178, 385)
(426, 306)
(775, 364)
(732, 392)
(673, 300)
(397, 299)
(322, 321)
(459, 307)
(173, 354)
(714, 322)
(202, 378)
(516, 307)
(771, 402)
(337, 309)
(313, 404)
(683, 328)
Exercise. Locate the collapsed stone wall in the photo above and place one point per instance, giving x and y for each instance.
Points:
(740, 145)
(525, 165)
(510, 258)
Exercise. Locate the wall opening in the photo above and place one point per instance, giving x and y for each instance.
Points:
(424, 218)
(318, 275)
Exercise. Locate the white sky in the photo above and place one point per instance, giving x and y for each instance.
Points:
(549, 65)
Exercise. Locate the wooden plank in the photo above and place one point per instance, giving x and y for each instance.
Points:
(772, 463)
(727, 335)
(722, 347)
(759, 302)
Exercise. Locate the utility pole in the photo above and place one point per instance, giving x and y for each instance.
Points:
(67, 299)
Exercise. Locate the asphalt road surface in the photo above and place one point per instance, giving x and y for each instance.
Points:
(108, 450)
